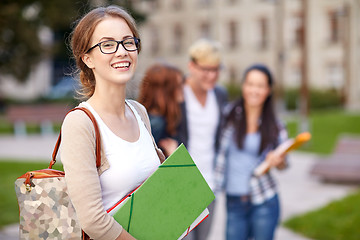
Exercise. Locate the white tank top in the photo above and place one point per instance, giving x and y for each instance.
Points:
(131, 163)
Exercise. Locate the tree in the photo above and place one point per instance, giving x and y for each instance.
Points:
(20, 24)
(21, 21)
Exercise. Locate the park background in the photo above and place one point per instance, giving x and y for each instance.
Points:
(312, 48)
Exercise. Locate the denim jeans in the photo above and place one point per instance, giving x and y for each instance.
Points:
(247, 221)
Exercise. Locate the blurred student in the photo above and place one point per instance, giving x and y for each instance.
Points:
(202, 115)
(161, 93)
(251, 133)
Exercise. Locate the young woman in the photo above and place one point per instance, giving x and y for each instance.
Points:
(161, 94)
(105, 45)
(250, 135)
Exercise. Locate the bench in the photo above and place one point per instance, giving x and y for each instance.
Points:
(43, 114)
(343, 166)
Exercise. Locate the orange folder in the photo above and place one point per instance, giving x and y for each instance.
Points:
(284, 148)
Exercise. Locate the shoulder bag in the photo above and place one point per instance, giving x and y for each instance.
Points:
(45, 209)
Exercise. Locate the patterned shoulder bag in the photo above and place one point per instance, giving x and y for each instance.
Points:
(45, 209)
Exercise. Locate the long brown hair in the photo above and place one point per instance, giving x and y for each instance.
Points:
(80, 41)
(158, 93)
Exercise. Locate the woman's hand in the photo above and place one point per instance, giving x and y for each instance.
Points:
(275, 160)
(272, 159)
(169, 145)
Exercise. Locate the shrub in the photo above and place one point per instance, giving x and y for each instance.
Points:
(234, 90)
(318, 99)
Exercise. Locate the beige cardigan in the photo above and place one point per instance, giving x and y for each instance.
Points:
(77, 153)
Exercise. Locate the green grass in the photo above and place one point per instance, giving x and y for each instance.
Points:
(338, 220)
(326, 127)
(10, 171)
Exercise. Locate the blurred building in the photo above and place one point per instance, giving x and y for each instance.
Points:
(284, 34)
(312, 42)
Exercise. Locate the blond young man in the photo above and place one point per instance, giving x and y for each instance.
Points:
(202, 115)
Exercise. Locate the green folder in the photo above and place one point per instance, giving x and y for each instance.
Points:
(168, 202)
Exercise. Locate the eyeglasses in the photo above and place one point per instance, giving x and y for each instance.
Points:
(207, 69)
(111, 46)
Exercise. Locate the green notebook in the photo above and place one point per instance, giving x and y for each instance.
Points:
(168, 202)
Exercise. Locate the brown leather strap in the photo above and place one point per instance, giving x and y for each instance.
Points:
(97, 138)
(84, 236)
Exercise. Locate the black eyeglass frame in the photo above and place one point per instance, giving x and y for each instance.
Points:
(137, 42)
(207, 69)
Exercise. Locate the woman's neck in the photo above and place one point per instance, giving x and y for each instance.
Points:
(111, 101)
(253, 115)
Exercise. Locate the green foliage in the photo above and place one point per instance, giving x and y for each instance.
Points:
(318, 99)
(22, 20)
(291, 99)
(292, 128)
(234, 91)
(338, 220)
(10, 171)
(20, 24)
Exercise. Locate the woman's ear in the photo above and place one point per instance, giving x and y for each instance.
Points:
(87, 60)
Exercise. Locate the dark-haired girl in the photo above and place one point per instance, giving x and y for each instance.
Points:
(250, 135)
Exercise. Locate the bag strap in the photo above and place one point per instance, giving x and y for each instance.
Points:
(97, 138)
